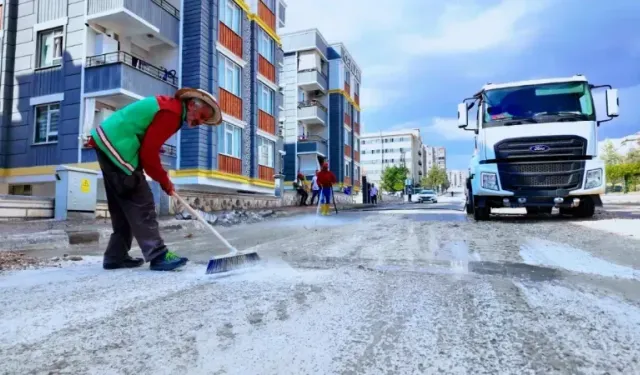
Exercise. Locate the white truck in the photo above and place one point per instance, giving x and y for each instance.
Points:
(536, 146)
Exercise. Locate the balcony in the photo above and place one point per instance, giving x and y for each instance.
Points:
(137, 18)
(347, 88)
(356, 127)
(312, 112)
(229, 39)
(356, 156)
(230, 104)
(347, 119)
(313, 145)
(266, 173)
(356, 98)
(266, 15)
(347, 180)
(312, 80)
(120, 71)
(266, 122)
(266, 69)
(229, 164)
(347, 151)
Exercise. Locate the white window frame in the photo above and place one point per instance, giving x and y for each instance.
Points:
(57, 35)
(266, 46)
(50, 133)
(235, 132)
(231, 15)
(227, 66)
(356, 144)
(347, 76)
(347, 137)
(347, 168)
(266, 149)
(265, 93)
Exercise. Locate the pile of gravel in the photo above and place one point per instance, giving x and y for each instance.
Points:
(12, 260)
(229, 218)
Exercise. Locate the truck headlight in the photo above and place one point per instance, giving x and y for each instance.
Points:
(594, 178)
(489, 181)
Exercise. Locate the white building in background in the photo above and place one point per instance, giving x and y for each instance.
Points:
(434, 156)
(457, 178)
(392, 148)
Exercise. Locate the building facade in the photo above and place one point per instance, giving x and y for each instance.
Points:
(457, 178)
(69, 64)
(394, 148)
(434, 156)
(321, 121)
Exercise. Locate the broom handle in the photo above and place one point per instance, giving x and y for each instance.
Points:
(195, 213)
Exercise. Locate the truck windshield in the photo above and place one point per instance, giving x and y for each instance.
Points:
(551, 102)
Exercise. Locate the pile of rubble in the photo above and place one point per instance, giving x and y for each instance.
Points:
(229, 218)
(12, 260)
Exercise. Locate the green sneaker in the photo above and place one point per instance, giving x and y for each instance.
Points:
(169, 262)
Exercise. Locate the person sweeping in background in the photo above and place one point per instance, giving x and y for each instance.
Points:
(128, 144)
(326, 179)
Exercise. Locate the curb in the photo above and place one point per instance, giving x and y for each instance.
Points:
(52, 239)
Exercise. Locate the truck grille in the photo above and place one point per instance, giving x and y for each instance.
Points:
(541, 176)
(551, 147)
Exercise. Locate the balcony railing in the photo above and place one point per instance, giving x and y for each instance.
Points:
(356, 98)
(230, 39)
(312, 79)
(265, 173)
(347, 151)
(266, 68)
(312, 143)
(266, 122)
(230, 104)
(162, 74)
(164, 4)
(356, 127)
(312, 112)
(168, 150)
(347, 119)
(347, 88)
(266, 15)
(229, 164)
(356, 156)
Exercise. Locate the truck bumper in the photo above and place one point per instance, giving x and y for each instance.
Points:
(532, 197)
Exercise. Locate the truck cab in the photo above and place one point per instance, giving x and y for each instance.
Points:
(536, 146)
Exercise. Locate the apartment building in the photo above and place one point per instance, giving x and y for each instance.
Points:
(69, 64)
(392, 148)
(457, 178)
(434, 156)
(321, 122)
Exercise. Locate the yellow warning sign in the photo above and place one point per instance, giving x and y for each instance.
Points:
(85, 185)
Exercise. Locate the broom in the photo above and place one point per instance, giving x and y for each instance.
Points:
(227, 262)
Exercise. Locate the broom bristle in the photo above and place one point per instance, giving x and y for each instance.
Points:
(225, 264)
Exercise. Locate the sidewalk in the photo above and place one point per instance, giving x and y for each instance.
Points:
(52, 234)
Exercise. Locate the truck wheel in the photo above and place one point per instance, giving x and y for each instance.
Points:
(586, 208)
(470, 203)
(480, 213)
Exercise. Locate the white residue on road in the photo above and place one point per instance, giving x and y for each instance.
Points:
(539, 252)
(623, 227)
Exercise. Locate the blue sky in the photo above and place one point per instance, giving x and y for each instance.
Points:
(419, 58)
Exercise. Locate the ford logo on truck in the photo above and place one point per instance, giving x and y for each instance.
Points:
(539, 148)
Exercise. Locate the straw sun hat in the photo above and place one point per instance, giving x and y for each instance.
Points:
(190, 93)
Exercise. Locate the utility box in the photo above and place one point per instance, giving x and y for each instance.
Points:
(76, 193)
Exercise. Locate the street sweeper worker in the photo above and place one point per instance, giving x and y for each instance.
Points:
(326, 179)
(128, 143)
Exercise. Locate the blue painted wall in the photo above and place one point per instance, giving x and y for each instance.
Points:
(289, 169)
(336, 135)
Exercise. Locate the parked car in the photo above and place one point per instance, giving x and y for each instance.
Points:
(427, 196)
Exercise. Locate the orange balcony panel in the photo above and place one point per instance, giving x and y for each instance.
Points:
(356, 128)
(229, 164)
(230, 104)
(230, 39)
(347, 119)
(266, 173)
(267, 15)
(266, 122)
(266, 69)
(356, 156)
(347, 181)
(347, 151)
(347, 88)
(356, 98)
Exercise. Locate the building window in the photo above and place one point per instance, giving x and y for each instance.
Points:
(20, 190)
(265, 98)
(232, 145)
(347, 137)
(47, 119)
(356, 172)
(230, 15)
(347, 76)
(269, 3)
(229, 75)
(50, 48)
(265, 46)
(356, 144)
(265, 152)
(347, 169)
(357, 88)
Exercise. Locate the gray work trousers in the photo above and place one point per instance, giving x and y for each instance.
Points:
(133, 213)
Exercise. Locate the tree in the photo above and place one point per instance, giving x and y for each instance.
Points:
(436, 178)
(393, 178)
(609, 154)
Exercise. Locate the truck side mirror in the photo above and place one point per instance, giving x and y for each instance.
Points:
(613, 102)
(463, 116)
